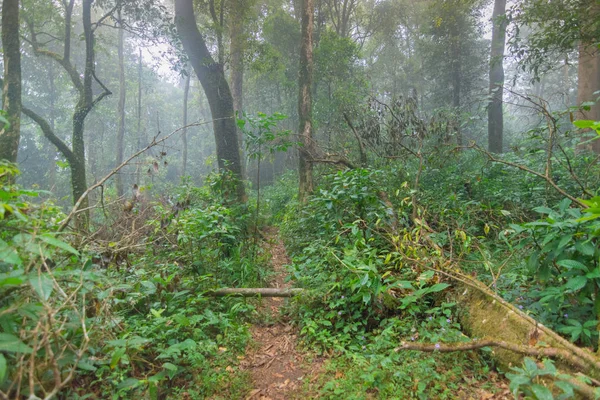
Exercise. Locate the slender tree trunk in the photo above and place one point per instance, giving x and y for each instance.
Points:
(237, 69)
(456, 87)
(588, 75)
(11, 91)
(139, 115)
(305, 166)
(48, 148)
(186, 93)
(212, 78)
(121, 108)
(495, 116)
(85, 103)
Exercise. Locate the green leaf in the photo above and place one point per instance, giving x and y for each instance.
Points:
(2, 368)
(12, 344)
(438, 287)
(52, 241)
(8, 254)
(576, 283)
(42, 285)
(86, 366)
(564, 240)
(567, 389)
(116, 357)
(586, 248)
(366, 298)
(129, 383)
(169, 366)
(572, 264)
(583, 123)
(542, 210)
(541, 392)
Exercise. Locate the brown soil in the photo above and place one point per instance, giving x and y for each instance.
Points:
(277, 368)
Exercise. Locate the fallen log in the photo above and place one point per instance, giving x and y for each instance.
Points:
(256, 292)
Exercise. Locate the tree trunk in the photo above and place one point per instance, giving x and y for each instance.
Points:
(51, 151)
(305, 166)
(212, 78)
(495, 116)
(588, 73)
(11, 91)
(85, 103)
(237, 69)
(139, 115)
(456, 87)
(121, 108)
(186, 93)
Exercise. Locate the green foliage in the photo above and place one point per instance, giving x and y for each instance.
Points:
(261, 136)
(145, 330)
(563, 256)
(45, 286)
(3, 120)
(528, 381)
(339, 254)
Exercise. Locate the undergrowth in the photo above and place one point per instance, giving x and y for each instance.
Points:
(74, 324)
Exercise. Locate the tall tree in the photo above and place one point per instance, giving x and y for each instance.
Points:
(186, 93)
(556, 28)
(495, 116)
(340, 12)
(305, 166)
(588, 70)
(86, 100)
(212, 77)
(11, 91)
(121, 105)
(236, 51)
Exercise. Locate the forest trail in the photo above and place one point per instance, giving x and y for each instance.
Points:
(277, 369)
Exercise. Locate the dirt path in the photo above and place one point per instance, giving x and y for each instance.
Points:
(277, 369)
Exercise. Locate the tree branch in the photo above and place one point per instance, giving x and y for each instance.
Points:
(153, 143)
(548, 179)
(49, 134)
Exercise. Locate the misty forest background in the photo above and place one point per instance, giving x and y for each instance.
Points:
(408, 152)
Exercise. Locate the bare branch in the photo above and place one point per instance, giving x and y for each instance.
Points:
(548, 179)
(153, 143)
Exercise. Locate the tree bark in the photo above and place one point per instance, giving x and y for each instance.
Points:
(85, 103)
(305, 166)
(11, 91)
(139, 114)
(495, 116)
(456, 84)
(588, 73)
(237, 68)
(216, 88)
(186, 93)
(121, 108)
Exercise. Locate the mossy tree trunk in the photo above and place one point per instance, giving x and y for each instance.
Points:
(120, 107)
(305, 166)
(11, 91)
(75, 155)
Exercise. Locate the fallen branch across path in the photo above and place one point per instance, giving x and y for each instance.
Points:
(256, 292)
